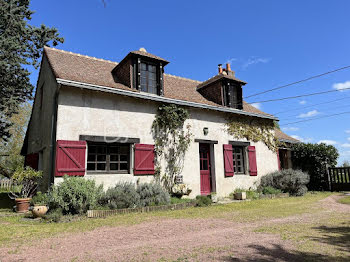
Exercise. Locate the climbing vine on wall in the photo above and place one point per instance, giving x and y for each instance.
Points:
(172, 140)
(253, 129)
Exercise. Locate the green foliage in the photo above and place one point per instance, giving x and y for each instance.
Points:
(21, 45)
(288, 181)
(252, 194)
(54, 215)
(253, 129)
(313, 159)
(123, 195)
(203, 201)
(75, 195)
(40, 199)
(152, 194)
(27, 178)
(269, 190)
(239, 190)
(171, 141)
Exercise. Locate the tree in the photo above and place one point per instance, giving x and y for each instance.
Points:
(346, 163)
(10, 158)
(313, 159)
(21, 45)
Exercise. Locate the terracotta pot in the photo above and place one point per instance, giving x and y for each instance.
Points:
(39, 211)
(22, 204)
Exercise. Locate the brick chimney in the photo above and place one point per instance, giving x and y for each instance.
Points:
(220, 68)
(229, 71)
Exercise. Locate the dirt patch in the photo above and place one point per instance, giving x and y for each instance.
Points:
(168, 240)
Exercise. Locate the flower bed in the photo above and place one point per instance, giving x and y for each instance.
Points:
(105, 213)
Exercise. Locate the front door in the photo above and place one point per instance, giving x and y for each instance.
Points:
(204, 162)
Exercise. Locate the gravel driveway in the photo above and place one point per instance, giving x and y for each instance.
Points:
(170, 240)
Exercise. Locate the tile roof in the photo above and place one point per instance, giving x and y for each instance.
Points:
(218, 77)
(80, 68)
(282, 136)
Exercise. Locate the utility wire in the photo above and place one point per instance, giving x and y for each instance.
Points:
(343, 113)
(323, 103)
(300, 81)
(293, 97)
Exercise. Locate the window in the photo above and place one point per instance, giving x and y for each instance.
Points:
(233, 96)
(238, 159)
(148, 78)
(112, 158)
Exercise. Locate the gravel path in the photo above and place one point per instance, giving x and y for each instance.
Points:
(166, 240)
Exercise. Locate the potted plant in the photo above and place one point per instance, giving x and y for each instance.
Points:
(27, 179)
(240, 194)
(179, 190)
(214, 197)
(40, 208)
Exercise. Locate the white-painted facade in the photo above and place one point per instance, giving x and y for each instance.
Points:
(85, 112)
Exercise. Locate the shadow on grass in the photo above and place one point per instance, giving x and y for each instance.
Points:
(336, 236)
(278, 253)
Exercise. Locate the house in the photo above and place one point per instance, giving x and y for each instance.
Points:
(93, 118)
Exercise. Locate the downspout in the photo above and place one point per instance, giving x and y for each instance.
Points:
(53, 135)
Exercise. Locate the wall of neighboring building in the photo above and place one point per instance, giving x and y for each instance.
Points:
(40, 128)
(83, 112)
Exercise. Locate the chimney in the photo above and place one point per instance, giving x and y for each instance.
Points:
(228, 70)
(220, 68)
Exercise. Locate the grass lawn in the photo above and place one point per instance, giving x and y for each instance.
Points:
(16, 228)
(345, 200)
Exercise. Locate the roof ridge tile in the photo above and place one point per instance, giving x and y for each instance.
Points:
(77, 54)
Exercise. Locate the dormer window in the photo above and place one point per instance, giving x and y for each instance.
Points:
(149, 82)
(232, 95)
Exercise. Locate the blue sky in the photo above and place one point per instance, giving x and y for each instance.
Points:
(269, 43)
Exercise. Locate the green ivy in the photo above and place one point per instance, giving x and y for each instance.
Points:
(253, 129)
(171, 141)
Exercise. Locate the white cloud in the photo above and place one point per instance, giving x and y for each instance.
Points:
(257, 105)
(349, 138)
(345, 145)
(347, 131)
(255, 60)
(328, 142)
(342, 86)
(290, 128)
(302, 139)
(309, 114)
(302, 102)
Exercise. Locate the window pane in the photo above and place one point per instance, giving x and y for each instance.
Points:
(101, 166)
(143, 88)
(143, 66)
(101, 157)
(113, 149)
(123, 158)
(113, 166)
(123, 166)
(101, 149)
(92, 149)
(152, 76)
(143, 80)
(113, 157)
(205, 164)
(91, 166)
(91, 157)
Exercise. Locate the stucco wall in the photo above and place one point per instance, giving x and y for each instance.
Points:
(83, 112)
(41, 124)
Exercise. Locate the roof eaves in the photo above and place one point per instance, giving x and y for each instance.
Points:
(158, 98)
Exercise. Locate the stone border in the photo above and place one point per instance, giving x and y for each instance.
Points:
(105, 213)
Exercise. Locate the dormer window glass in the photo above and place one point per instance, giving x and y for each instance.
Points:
(233, 96)
(148, 78)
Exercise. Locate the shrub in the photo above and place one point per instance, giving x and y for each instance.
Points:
(252, 194)
(152, 194)
(313, 159)
(75, 195)
(270, 190)
(288, 181)
(203, 201)
(123, 195)
(54, 215)
(40, 199)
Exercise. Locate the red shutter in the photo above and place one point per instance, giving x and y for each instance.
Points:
(144, 159)
(32, 160)
(278, 159)
(70, 158)
(253, 171)
(228, 160)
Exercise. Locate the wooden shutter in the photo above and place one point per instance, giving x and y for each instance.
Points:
(278, 159)
(70, 158)
(32, 160)
(144, 159)
(228, 160)
(253, 170)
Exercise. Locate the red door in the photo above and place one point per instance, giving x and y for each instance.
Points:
(204, 161)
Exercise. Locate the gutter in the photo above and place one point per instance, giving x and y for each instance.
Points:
(158, 98)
